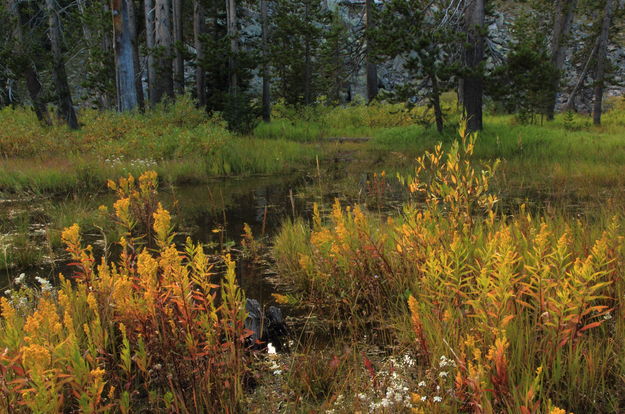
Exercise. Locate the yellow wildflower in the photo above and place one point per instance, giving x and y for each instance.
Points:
(36, 357)
(8, 312)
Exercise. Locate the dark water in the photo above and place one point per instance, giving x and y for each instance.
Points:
(199, 211)
(214, 213)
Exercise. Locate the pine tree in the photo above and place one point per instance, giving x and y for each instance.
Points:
(24, 61)
(336, 59)
(296, 43)
(525, 83)
(427, 47)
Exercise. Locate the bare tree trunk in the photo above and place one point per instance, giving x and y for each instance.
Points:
(132, 30)
(30, 73)
(460, 102)
(436, 102)
(563, 19)
(106, 42)
(178, 47)
(199, 28)
(233, 34)
(473, 56)
(265, 69)
(148, 8)
(602, 51)
(372, 69)
(582, 77)
(124, 60)
(64, 96)
(164, 83)
(307, 60)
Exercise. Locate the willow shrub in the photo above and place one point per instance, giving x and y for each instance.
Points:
(143, 334)
(530, 308)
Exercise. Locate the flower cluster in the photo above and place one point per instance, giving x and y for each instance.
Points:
(134, 163)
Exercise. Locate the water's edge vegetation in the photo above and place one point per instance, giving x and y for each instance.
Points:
(489, 281)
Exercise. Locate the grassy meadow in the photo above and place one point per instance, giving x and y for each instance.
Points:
(478, 274)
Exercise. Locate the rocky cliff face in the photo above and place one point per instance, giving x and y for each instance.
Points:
(498, 45)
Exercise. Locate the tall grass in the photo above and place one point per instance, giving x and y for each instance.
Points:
(530, 308)
(143, 334)
(179, 141)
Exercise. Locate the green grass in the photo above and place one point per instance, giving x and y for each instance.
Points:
(179, 141)
(184, 145)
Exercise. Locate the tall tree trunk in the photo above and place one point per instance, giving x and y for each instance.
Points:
(570, 103)
(132, 30)
(108, 96)
(164, 83)
(178, 47)
(233, 34)
(148, 10)
(125, 72)
(473, 56)
(265, 69)
(372, 69)
(562, 21)
(30, 73)
(64, 96)
(435, 99)
(199, 28)
(602, 52)
(307, 59)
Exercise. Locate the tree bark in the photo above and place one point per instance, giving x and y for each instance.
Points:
(580, 81)
(199, 28)
(30, 72)
(148, 8)
(265, 68)
(602, 51)
(563, 18)
(436, 102)
(125, 69)
(473, 57)
(372, 69)
(233, 35)
(307, 59)
(164, 84)
(64, 96)
(132, 18)
(178, 48)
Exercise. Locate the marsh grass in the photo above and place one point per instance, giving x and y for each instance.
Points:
(529, 306)
(143, 334)
(178, 141)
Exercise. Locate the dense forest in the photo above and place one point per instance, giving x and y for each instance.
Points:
(238, 57)
(312, 206)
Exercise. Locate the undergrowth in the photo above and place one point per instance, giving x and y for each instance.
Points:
(530, 308)
(145, 333)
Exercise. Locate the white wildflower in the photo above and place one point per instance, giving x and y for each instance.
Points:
(423, 398)
(20, 279)
(437, 399)
(443, 374)
(46, 286)
(422, 384)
